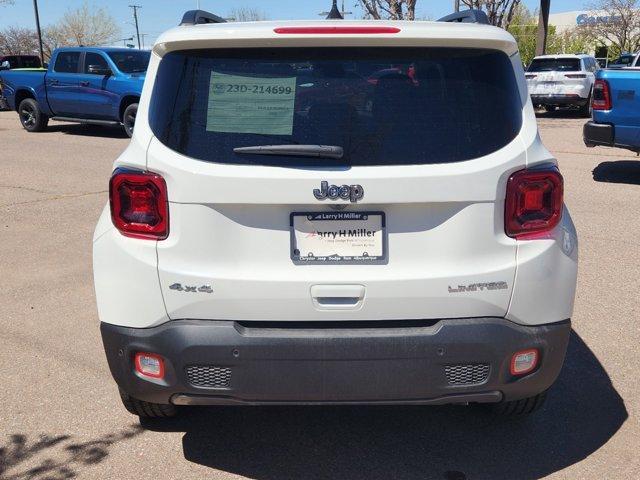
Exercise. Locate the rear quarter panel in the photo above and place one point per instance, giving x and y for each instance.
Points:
(624, 115)
(27, 81)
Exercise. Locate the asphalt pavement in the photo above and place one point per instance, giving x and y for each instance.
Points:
(60, 415)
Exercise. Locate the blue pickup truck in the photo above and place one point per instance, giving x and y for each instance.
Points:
(85, 84)
(616, 110)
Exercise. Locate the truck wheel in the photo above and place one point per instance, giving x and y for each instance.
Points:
(524, 406)
(129, 118)
(31, 117)
(146, 409)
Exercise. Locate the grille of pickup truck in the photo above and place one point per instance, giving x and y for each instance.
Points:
(208, 376)
(467, 374)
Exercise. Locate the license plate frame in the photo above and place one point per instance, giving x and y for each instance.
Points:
(336, 259)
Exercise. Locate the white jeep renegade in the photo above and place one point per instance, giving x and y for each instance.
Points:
(335, 212)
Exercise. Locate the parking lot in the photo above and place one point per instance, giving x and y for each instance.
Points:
(60, 415)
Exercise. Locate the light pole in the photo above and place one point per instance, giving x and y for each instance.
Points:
(35, 8)
(543, 26)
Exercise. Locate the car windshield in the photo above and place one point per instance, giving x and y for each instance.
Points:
(131, 61)
(381, 106)
(555, 65)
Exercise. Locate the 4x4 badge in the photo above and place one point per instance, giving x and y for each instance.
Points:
(353, 193)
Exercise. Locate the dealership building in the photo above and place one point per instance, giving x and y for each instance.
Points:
(567, 21)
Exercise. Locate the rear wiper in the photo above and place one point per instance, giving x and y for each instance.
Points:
(323, 151)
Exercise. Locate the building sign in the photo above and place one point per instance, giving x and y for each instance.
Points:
(586, 19)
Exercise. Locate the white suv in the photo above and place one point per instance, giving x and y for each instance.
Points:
(562, 80)
(291, 226)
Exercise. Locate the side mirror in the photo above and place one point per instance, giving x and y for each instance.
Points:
(5, 65)
(99, 70)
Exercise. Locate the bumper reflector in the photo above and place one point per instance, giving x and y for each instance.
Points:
(524, 361)
(149, 365)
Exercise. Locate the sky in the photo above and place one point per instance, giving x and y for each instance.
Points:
(155, 16)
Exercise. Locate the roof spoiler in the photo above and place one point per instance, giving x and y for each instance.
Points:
(467, 16)
(198, 17)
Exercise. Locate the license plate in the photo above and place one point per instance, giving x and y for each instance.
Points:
(338, 237)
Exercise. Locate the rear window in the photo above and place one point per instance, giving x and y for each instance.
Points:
(555, 65)
(382, 106)
(131, 61)
(623, 60)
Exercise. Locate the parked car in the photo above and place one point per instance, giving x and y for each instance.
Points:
(257, 252)
(86, 85)
(624, 61)
(615, 122)
(8, 62)
(562, 80)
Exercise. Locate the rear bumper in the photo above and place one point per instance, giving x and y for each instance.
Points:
(559, 100)
(598, 134)
(304, 363)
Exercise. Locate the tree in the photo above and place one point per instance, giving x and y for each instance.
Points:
(86, 26)
(617, 23)
(18, 41)
(500, 12)
(389, 9)
(53, 37)
(247, 14)
(524, 28)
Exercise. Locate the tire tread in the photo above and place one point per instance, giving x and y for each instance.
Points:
(524, 406)
(146, 409)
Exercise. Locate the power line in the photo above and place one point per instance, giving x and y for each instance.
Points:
(135, 18)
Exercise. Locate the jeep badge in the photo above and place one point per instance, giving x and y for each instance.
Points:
(353, 193)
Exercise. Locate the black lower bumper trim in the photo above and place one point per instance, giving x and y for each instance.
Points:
(558, 100)
(424, 363)
(465, 398)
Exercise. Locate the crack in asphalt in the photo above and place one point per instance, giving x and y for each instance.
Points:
(19, 187)
(55, 197)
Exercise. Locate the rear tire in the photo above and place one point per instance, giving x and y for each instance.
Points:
(585, 110)
(524, 406)
(31, 117)
(146, 409)
(129, 118)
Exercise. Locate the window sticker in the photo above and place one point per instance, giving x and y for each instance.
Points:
(240, 104)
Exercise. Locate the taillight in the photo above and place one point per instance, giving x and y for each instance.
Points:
(575, 75)
(139, 206)
(601, 95)
(534, 203)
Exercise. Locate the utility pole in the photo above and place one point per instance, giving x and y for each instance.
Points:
(543, 26)
(335, 13)
(35, 8)
(135, 18)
